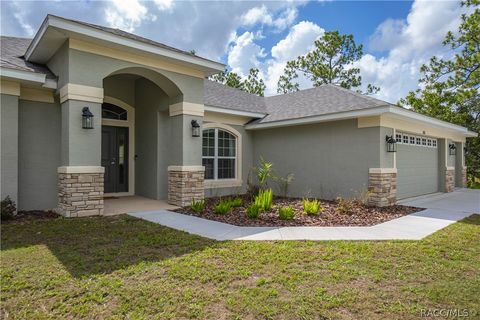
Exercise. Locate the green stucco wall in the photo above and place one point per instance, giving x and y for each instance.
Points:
(327, 159)
(9, 151)
(39, 154)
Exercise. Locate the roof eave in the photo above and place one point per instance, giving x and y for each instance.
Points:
(377, 111)
(208, 66)
(28, 76)
(248, 114)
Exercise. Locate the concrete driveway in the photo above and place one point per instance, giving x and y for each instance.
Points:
(461, 200)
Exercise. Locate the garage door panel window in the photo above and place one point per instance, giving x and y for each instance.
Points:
(421, 141)
(219, 155)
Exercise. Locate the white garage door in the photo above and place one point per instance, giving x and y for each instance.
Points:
(417, 165)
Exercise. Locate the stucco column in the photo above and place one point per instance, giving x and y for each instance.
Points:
(10, 91)
(80, 178)
(186, 173)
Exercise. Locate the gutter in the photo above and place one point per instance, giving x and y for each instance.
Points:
(29, 76)
(248, 114)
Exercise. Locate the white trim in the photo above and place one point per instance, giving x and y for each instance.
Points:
(193, 109)
(186, 168)
(130, 124)
(222, 183)
(84, 30)
(235, 112)
(365, 113)
(72, 91)
(22, 75)
(382, 170)
(81, 169)
(40, 95)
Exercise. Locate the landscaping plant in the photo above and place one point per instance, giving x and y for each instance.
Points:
(311, 207)
(253, 212)
(223, 207)
(264, 172)
(283, 183)
(198, 206)
(8, 208)
(344, 206)
(236, 202)
(286, 213)
(264, 199)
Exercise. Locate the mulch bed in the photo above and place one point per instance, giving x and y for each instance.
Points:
(25, 216)
(360, 215)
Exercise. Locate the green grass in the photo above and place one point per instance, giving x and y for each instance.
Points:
(122, 267)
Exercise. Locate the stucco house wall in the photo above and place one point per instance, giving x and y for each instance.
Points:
(9, 154)
(327, 159)
(39, 142)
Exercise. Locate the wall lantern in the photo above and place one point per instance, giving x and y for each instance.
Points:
(452, 149)
(87, 118)
(391, 144)
(195, 128)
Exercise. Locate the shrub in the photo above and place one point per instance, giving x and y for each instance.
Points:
(197, 206)
(311, 207)
(236, 202)
(264, 171)
(253, 212)
(344, 206)
(286, 213)
(264, 199)
(223, 207)
(8, 208)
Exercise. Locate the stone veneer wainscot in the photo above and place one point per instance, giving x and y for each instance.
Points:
(382, 186)
(80, 191)
(185, 183)
(449, 179)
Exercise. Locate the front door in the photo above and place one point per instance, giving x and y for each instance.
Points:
(115, 158)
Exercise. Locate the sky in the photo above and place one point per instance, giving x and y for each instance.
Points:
(397, 36)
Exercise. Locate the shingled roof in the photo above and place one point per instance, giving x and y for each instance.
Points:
(11, 56)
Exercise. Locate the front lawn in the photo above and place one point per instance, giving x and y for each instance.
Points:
(122, 267)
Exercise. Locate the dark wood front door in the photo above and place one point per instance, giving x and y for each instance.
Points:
(115, 158)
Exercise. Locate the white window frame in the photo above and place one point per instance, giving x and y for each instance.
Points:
(398, 138)
(424, 141)
(410, 140)
(434, 143)
(418, 141)
(429, 142)
(405, 137)
(224, 183)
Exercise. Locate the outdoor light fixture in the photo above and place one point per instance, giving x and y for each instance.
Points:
(87, 118)
(452, 150)
(391, 143)
(195, 128)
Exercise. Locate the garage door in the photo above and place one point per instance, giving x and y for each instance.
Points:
(417, 165)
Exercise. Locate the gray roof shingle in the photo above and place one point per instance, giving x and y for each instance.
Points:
(316, 101)
(219, 95)
(11, 56)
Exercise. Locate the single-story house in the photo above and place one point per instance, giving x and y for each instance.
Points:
(89, 111)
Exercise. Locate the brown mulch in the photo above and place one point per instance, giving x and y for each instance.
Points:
(25, 216)
(360, 215)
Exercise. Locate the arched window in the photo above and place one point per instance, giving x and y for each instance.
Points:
(111, 111)
(219, 154)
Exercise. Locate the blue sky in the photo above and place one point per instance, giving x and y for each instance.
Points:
(398, 36)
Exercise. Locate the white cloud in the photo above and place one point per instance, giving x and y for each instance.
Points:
(164, 4)
(261, 15)
(244, 54)
(125, 14)
(298, 42)
(410, 44)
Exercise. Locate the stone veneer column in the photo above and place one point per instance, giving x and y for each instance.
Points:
(80, 191)
(185, 183)
(449, 179)
(382, 186)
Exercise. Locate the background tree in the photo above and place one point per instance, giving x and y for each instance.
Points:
(451, 86)
(330, 62)
(286, 82)
(252, 84)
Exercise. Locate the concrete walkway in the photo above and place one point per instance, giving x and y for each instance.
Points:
(441, 211)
